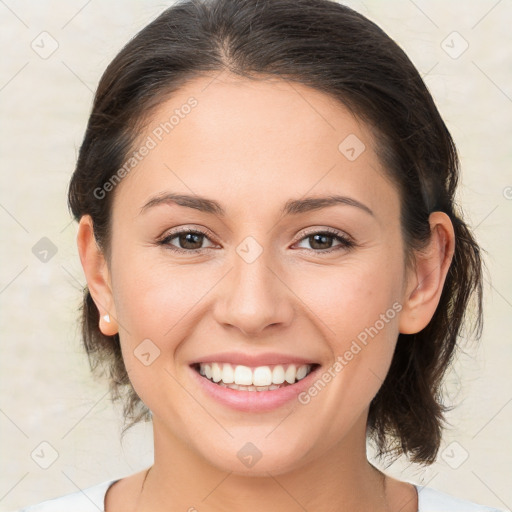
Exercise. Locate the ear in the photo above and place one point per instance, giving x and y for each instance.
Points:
(97, 275)
(425, 282)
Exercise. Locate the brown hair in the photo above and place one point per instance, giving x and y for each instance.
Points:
(333, 49)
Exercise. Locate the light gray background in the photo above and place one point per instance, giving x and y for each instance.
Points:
(47, 393)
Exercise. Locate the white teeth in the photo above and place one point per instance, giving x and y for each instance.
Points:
(262, 378)
(249, 388)
(301, 372)
(228, 375)
(278, 374)
(243, 375)
(216, 372)
(290, 374)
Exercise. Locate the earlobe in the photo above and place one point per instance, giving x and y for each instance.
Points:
(426, 281)
(97, 275)
(107, 325)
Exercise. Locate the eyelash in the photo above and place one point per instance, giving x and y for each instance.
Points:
(345, 242)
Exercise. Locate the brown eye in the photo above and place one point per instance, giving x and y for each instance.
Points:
(322, 241)
(187, 241)
(190, 240)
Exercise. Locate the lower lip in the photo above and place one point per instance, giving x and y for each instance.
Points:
(254, 401)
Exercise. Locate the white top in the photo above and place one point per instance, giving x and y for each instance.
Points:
(92, 499)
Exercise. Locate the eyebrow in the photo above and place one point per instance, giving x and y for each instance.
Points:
(291, 207)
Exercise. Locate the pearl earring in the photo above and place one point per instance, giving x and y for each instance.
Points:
(107, 318)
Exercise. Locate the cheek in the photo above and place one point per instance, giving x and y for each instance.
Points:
(152, 303)
(353, 296)
(152, 297)
(358, 307)
(158, 306)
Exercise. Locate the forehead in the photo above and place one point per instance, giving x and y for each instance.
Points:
(247, 140)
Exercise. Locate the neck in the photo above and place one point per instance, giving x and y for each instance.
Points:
(341, 479)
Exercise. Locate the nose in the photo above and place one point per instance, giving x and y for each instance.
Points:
(253, 297)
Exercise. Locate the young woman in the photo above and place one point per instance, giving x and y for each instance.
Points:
(276, 271)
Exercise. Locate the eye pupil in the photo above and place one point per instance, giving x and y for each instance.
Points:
(191, 238)
(321, 239)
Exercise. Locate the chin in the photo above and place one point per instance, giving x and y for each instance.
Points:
(253, 455)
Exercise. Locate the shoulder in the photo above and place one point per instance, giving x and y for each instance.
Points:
(91, 499)
(432, 500)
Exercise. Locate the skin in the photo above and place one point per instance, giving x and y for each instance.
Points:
(252, 146)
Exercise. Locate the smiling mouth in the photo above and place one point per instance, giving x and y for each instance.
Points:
(261, 378)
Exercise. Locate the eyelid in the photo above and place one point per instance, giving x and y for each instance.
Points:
(164, 240)
(317, 230)
(187, 229)
(346, 242)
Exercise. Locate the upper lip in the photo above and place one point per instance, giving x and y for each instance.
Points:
(238, 358)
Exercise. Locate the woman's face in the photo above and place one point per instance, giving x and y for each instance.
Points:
(265, 285)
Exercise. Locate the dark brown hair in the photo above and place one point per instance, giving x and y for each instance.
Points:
(331, 48)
